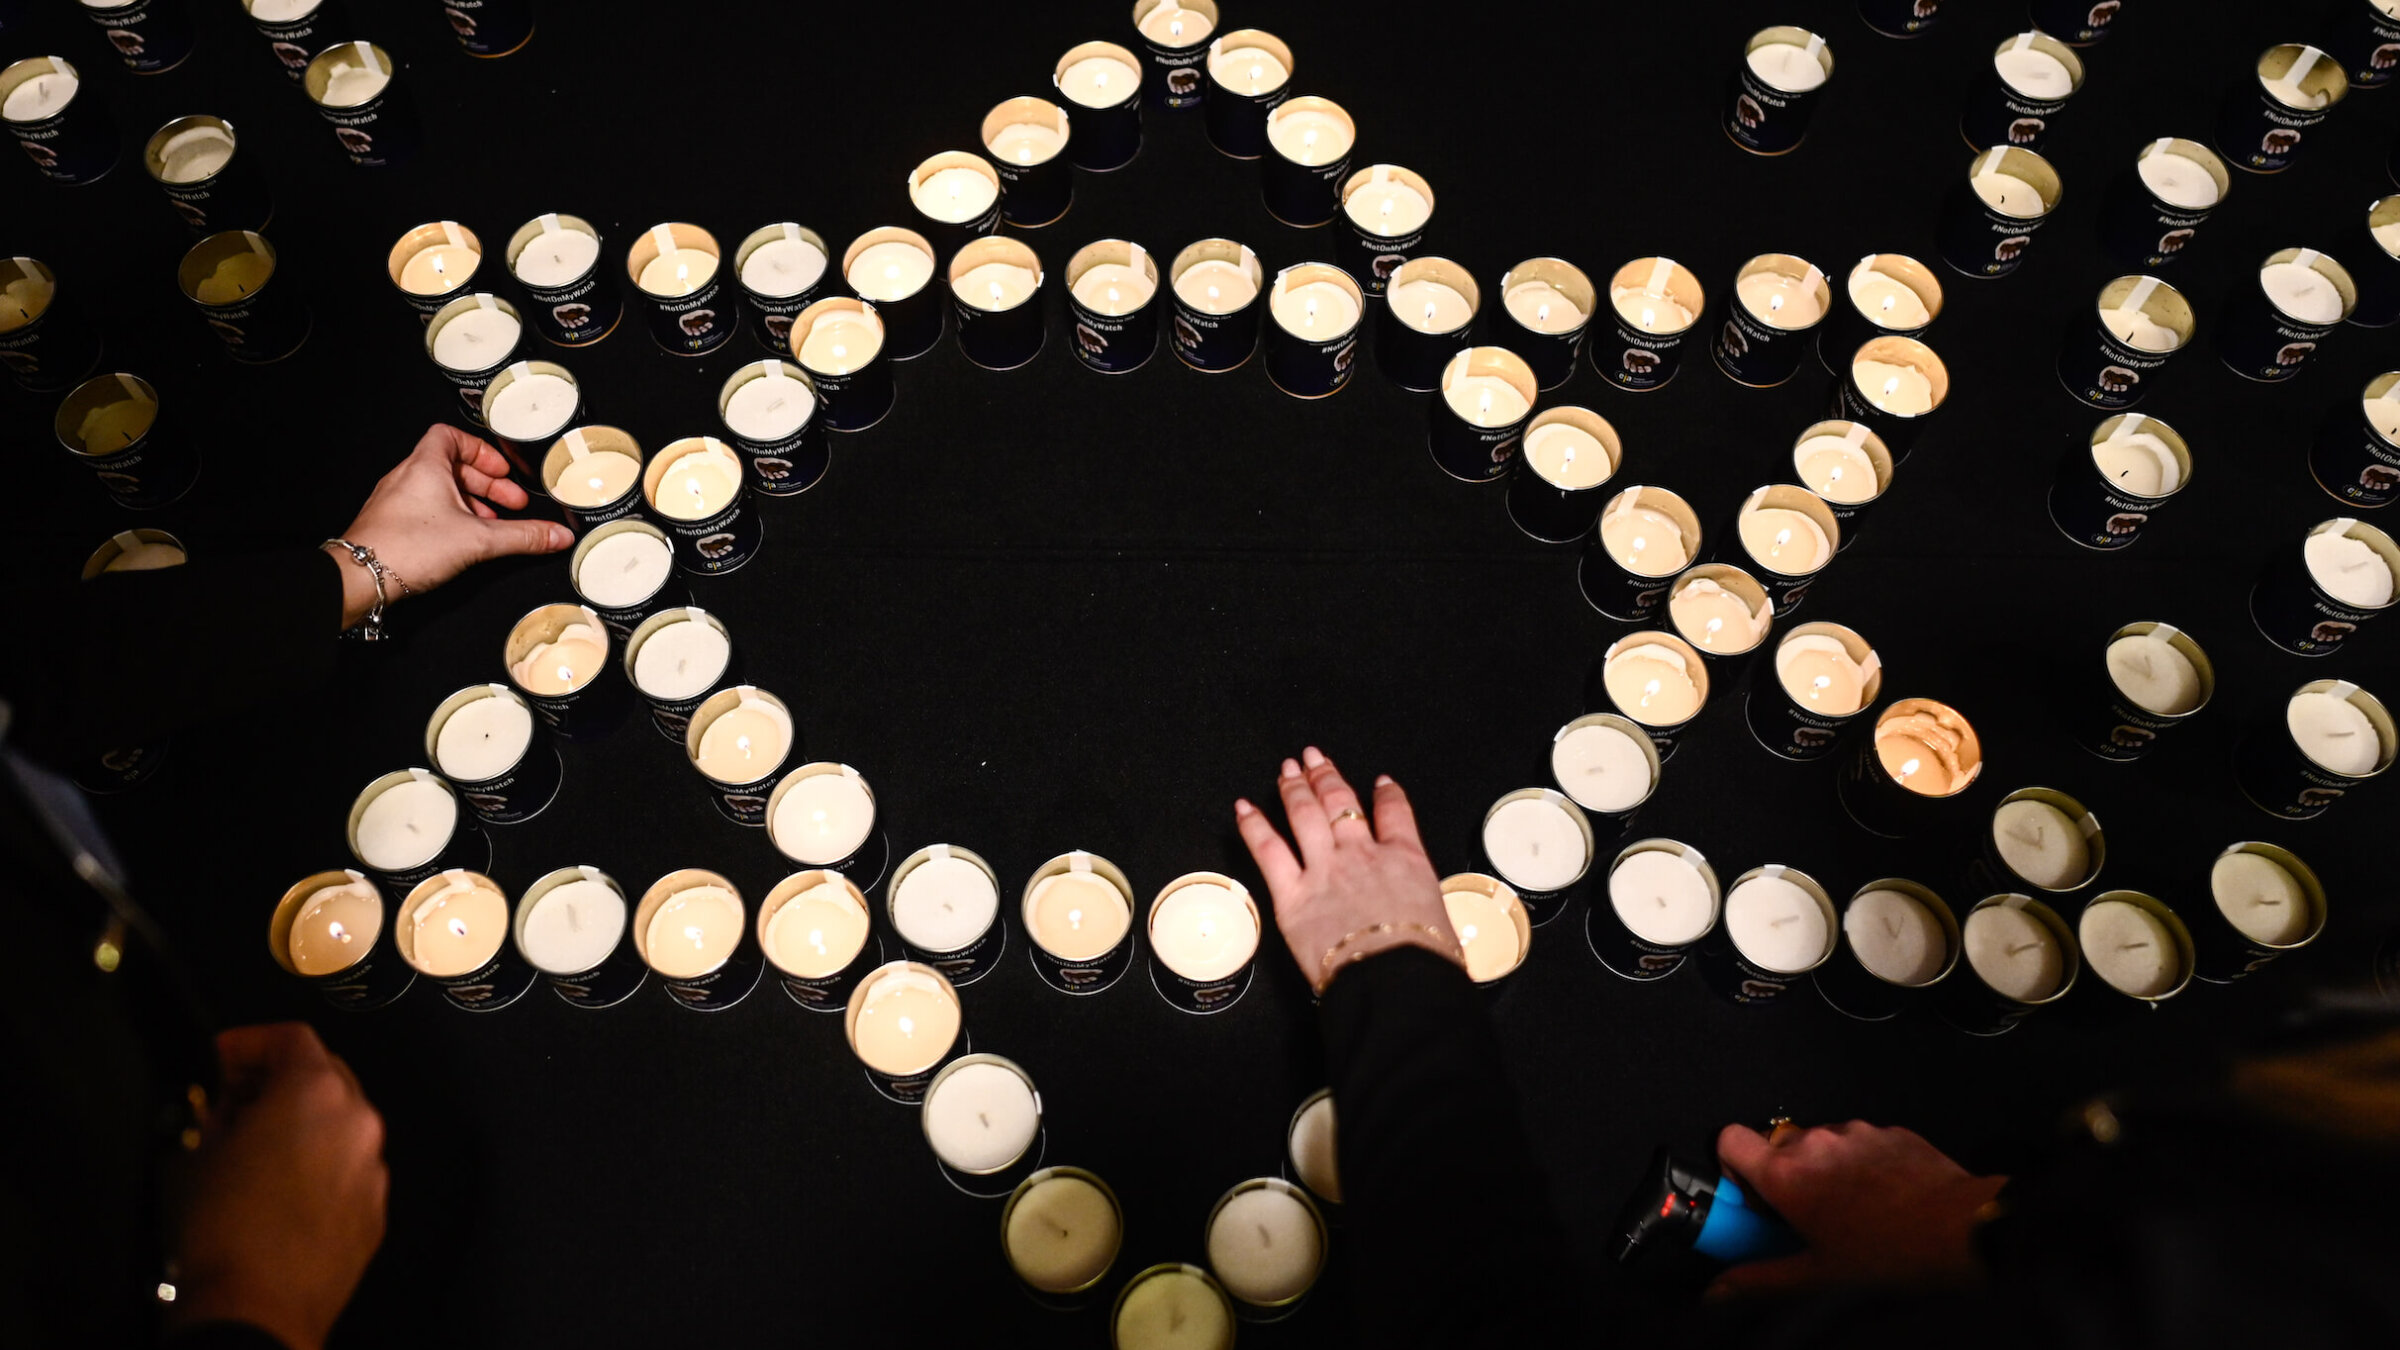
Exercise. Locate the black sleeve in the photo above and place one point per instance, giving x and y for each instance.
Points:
(223, 1336)
(128, 657)
(1418, 1086)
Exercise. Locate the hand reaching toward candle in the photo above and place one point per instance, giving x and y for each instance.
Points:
(1877, 1205)
(287, 1197)
(1355, 889)
(431, 518)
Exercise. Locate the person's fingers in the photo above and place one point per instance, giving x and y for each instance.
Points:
(1743, 1150)
(1784, 1274)
(476, 505)
(1305, 814)
(503, 538)
(506, 492)
(349, 1076)
(252, 1051)
(1267, 849)
(1335, 794)
(1395, 819)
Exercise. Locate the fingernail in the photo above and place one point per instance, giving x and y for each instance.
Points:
(1291, 769)
(1383, 780)
(1242, 807)
(561, 537)
(1312, 757)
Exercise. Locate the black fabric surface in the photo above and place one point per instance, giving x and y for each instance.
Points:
(1045, 609)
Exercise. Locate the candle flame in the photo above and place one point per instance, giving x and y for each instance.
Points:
(458, 928)
(908, 1025)
(1542, 314)
(1909, 767)
(1308, 139)
(1774, 302)
(1649, 690)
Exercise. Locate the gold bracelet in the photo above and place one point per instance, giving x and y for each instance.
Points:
(1325, 962)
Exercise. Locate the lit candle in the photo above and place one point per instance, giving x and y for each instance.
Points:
(784, 266)
(1896, 937)
(1101, 80)
(437, 259)
(2044, 844)
(1567, 455)
(1310, 135)
(944, 903)
(1717, 620)
(1778, 297)
(1312, 1144)
(406, 824)
(1316, 309)
(485, 738)
(1387, 201)
(336, 926)
(814, 924)
(1927, 748)
(1204, 927)
(693, 930)
(2333, 732)
(981, 1114)
(902, 1019)
(1172, 1307)
(1817, 671)
(1492, 927)
(1062, 1230)
(1884, 299)
(1485, 400)
(1215, 286)
(1601, 765)
(527, 404)
(2013, 952)
(1661, 895)
(1170, 24)
(1838, 468)
(1077, 915)
(1648, 302)
(683, 658)
(2347, 568)
(1247, 68)
(574, 926)
(822, 814)
(1544, 308)
(455, 924)
(700, 479)
(2147, 669)
(1895, 387)
(996, 285)
(1782, 539)
(564, 662)
(624, 569)
(746, 741)
(892, 270)
(1776, 924)
(954, 192)
(558, 254)
(1642, 539)
(1027, 142)
(2260, 898)
(1265, 1244)
(1537, 841)
(838, 341)
(673, 267)
(2130, 948)
(1115, 288)
(1781, 300)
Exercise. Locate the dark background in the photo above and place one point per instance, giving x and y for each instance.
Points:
(1046, 609)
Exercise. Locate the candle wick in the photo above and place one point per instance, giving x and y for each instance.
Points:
(2131, 946)
(1892, 927)
(1778, 923)
(2265, 900)
(984, 1119)
(2021, 948)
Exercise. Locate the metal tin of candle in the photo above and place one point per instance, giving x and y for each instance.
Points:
(2259, 340)
(1038, 187)
(622, 620)
(1120, 340)
(1968, 1003)
(996, 1183)
(2356, 458)
(572, 313)
(1558, 504)
(1733, 581)
(912, 323)
(1372, 253)
(1616, 590)
(1790, 728)
(490, 28)
(1980, 239)
(1235, 109)
(1646, 358)
(1549, 345)
(948, 236)
(2260, 125)
(1847, 326)
(1541, 906)
(2378, 277)
(907, 1089)
(732, 979)
(1850, 515)
(2091, 508)
(819, 993)
(856, 397)
(1999, 113)
(292, 41)
(2222, 953)
(2119, 1001)
(2114, 726)
(378, 131)
(2282, 780)
(70, 143)
(231, 278)
(1738, 978)
(2095, 839)
(1786, 589)
(472, 383)
(149, 36)
(743, 803)
(685, 322)
(2365, 37)
(1503, 894)
(2108, 371)
(1897, 428)
(2144, 228)
(995, 332)
(125, 541)
(1610, 822)
(1762, 118)
(710, 545)
(517, 448)
(1183, 1268)
(581, 710)
(1478, 450)
(1078, 975)
(140, 468)
(1758, 353)
(1214, 340)
(498, 982)
(962, 965)
(372, 981)
(1629, 956)
(590, 440)
(1174, 77)
(1182, 992)
(1305, 195)
(468, 846)
(1107, 138)
(1857, 992)
(1901, 18)
(1081, 1296)
(43, 346)
(1328, 1205)
(789, 464)
(1410, 354)
(864, 864)
(453, 282)
(1665, 736)
(1313, 367)
(605, 985)
(673, 716)
(232, 196)
(517, 792)
(1880, 799)
(2300, 615)
(776, 308)
(2078, 23)
(1280, 1309)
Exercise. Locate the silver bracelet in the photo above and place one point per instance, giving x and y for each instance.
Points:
(372, 629)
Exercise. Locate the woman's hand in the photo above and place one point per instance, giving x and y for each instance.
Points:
(431, 518)
(1356, 889)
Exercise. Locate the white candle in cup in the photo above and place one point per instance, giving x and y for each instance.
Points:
(2333, 732)
(1782, 540)
(1487, 917)
(2349, 570)
(1113, 288)
(1715, 619)
(406, 824)
(1820, 675)
(485, 738)
(1544, 308)
(903, 1018)
(2138, 462)
(700, 479)
(1265, 1243)
(557, 256)
(1308, 136)
(1026, 142)
(1567, 456)
(1895, 937)
(194, 153)
(2004, 192)
(2287, 89)
(1316, 309)
(2135, 329)
(1172, 1308)
(770, 407)
(1171, 25)
(1429, 306)
(981, 1114)
(335, 927)
(1837, 468)
(1776, 924)
(1215, 286)
(1601, 767)
(1929, 749)
(681, 660)
(1387, 205)
(745, 743)
(624, 569)
(2042, 844)
(825, 815)
(2148, 670)
(2260, 898)
(2129, 947)
(574, 926)
(693, 931)
(954, 195)
(136, 554)
(783, 267)
(675, 268)
(837, 343)
(996, 285)
(476, 339)
(447, 256)
(1661, 896)
(1536, 844)
(1099, 81)
(2301, 292)
(1650, 306)
(1245, 69)
(1312, 1144)
(354, 77)
(2384, 414)
(2032, 72)
(1781, 301)
(2014, 953)
(1896, 387)
(1062, 1232)
(1485, 400)
(454, 924)
(944, 903)
(1642, 539)
(532, 406)
(595, 475)
(1077, 915)
(41, 97)
(1204, 928)
(1885, 299)
(2177, 180)
(1788, 66)
(892, 270)
(819, 929)
(564, 663)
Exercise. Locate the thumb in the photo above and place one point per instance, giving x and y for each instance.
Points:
(1742, 1151)
(1783, 1275)
(504, 538)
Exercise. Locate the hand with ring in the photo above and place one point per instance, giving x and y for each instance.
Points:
(1358, 885)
